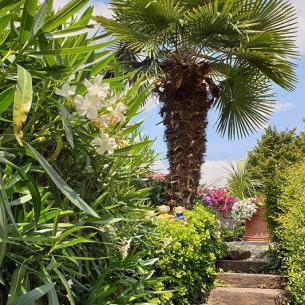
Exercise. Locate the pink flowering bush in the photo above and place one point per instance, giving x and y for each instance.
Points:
(219, 199)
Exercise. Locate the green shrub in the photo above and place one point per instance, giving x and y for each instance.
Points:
(274, 152)
(157, 183)
(291, 230)
(236, 234)
(188, 256)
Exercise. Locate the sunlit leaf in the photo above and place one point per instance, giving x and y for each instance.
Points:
(66, 124)
(63, 14)
(17, 278)
(3, 232)
(22, 101)
(40, 16)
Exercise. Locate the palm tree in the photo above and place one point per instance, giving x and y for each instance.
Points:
(207, 53)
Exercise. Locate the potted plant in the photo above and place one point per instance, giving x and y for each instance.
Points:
(252, 212)
(222, 202)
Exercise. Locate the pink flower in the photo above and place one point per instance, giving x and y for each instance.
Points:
(220, 199)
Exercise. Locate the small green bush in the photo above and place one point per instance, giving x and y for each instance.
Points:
(187, 257)
(291, 231)
(236, 235)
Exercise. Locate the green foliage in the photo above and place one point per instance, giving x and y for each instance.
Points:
(232, 235)
(247, 44)
(275, 152)
(72, 222)
(238, 183)
(157, 193)
(188, 256)
(291, 229)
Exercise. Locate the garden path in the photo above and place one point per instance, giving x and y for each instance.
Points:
(244, 280)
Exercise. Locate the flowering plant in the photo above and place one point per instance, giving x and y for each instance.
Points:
(103, 108)
(244, 209)
(219, 199)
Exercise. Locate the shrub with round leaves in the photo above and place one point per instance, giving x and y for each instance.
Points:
(188, 253)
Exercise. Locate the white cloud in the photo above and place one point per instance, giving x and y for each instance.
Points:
(57, 4)
(284, 106)
(214, 173)
(300, 8)
(159, 166)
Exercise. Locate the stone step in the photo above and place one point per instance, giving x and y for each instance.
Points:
(247, 296)
(243, 266)
(248, 280)
(241, 250)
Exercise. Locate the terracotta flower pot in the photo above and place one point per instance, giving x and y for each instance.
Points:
(256, 228)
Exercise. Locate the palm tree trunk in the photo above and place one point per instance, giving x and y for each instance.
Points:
(185, 134)
(186, 93)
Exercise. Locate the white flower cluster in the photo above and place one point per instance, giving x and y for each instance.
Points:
(243, 210)
(98, 96)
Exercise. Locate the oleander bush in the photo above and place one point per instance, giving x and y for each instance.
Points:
(187, 257)
(73, 215)
(291, 229)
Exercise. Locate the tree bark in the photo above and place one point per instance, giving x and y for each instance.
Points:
(185, 134)
(186, 93)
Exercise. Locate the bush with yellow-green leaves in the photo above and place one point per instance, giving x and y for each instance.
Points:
(291, 230)
(187, 256)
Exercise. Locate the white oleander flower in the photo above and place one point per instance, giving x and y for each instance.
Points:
(104, 144)
(87, 106)
(117, 113)
(97, 88)
(66, 90)
(109, 102)
(104, 120)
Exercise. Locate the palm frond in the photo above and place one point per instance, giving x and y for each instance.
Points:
(136, 41)
(246, 101)
(143, 24)
(213, 25)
